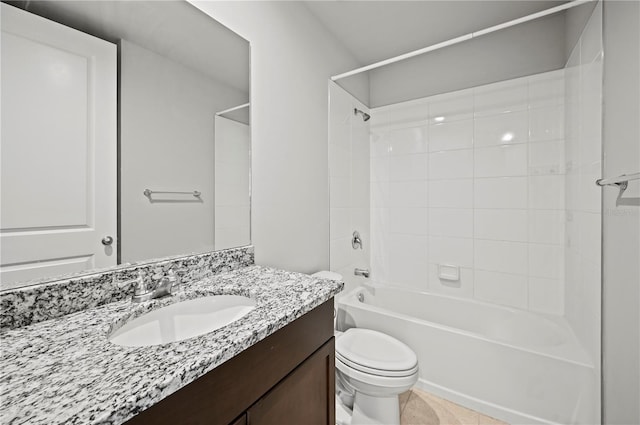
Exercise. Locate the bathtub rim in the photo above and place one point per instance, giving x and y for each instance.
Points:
(570, 351)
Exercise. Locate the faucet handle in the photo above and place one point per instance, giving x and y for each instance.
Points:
(140, 285)
(174, 283)
(136, 280)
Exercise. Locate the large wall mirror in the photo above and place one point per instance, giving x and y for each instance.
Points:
(125, 136)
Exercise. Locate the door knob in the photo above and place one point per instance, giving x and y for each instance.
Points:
(107, 240)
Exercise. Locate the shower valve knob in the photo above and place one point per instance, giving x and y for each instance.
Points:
(356, 241)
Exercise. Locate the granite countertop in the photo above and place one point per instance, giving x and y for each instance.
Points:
(65, 371)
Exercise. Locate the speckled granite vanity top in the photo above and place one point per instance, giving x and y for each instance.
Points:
(65, 371)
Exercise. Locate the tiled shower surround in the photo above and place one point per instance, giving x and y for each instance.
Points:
(473, 179)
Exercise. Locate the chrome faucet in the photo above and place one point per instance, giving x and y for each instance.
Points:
(166, 287)
(361, 272)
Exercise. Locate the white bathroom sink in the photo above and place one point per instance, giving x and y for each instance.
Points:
(183, 320)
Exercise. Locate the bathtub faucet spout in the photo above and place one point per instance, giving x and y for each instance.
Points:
(361, 272)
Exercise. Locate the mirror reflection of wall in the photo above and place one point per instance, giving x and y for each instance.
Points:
(167, 144)
(173, 70)
(233, 191)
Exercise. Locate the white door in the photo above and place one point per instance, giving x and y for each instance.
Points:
(57, 151)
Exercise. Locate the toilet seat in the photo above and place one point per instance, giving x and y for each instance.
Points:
(375, 353)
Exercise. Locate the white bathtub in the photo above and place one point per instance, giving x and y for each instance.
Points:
(508, 363)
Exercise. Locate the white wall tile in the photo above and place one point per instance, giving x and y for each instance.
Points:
(408, 167)
(506, 96)
(379, 221)
(451, 135)
(379, 194)
(339, 252)
(404, 113)
(340, 192)
(590, 113)
(451, 193)
(546, 192)
(379, 144)
(339, 224)
(503, 192)
(379, 168)
(500, 288)
(456, 251)
(351, 187)
(546, 295)
(590, 236)
(546, 123)
(449, 107)
(501, 161)
(379, 235)
(408, 260)
(461, 288)
(451, 165)
(409, 140)
(546, 226)
(451, 222)
(546, 261)
(500, 256)
(589, 194)
(408, 220)
(359, 193)
(501, 225)
(360, 168)
(547, 157)
(409, 194)
(412, 112)
(507, 128)
(360, 219)
(546, 89)
(455, 192)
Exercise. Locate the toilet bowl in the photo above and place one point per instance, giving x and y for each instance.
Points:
(372, 369)
(376, 368)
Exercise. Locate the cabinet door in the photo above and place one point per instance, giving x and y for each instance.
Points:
(242, 420)
(305, 396)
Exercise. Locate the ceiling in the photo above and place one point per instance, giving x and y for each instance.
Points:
(378, 30)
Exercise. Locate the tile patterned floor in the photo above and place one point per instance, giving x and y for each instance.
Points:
(418, 407)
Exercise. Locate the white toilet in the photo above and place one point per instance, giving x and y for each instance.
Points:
(376, 368)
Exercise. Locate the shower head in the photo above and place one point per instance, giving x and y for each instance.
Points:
(365, 116)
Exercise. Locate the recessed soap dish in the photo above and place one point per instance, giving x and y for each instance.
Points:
(449, 272)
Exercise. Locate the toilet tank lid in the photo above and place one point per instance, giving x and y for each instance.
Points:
(328, 275)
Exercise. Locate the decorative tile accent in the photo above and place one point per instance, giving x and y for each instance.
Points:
(50, 299)
(65, 371)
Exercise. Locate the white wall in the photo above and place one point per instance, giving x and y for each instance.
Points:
(166, 143)
(583, 156)
(232, 183)
(292, 56)
(621, 220)
(473, 178)
(518, 51)
(583, 152)
(349, 185)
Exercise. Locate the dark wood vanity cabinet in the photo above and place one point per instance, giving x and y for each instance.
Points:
(287, 378)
